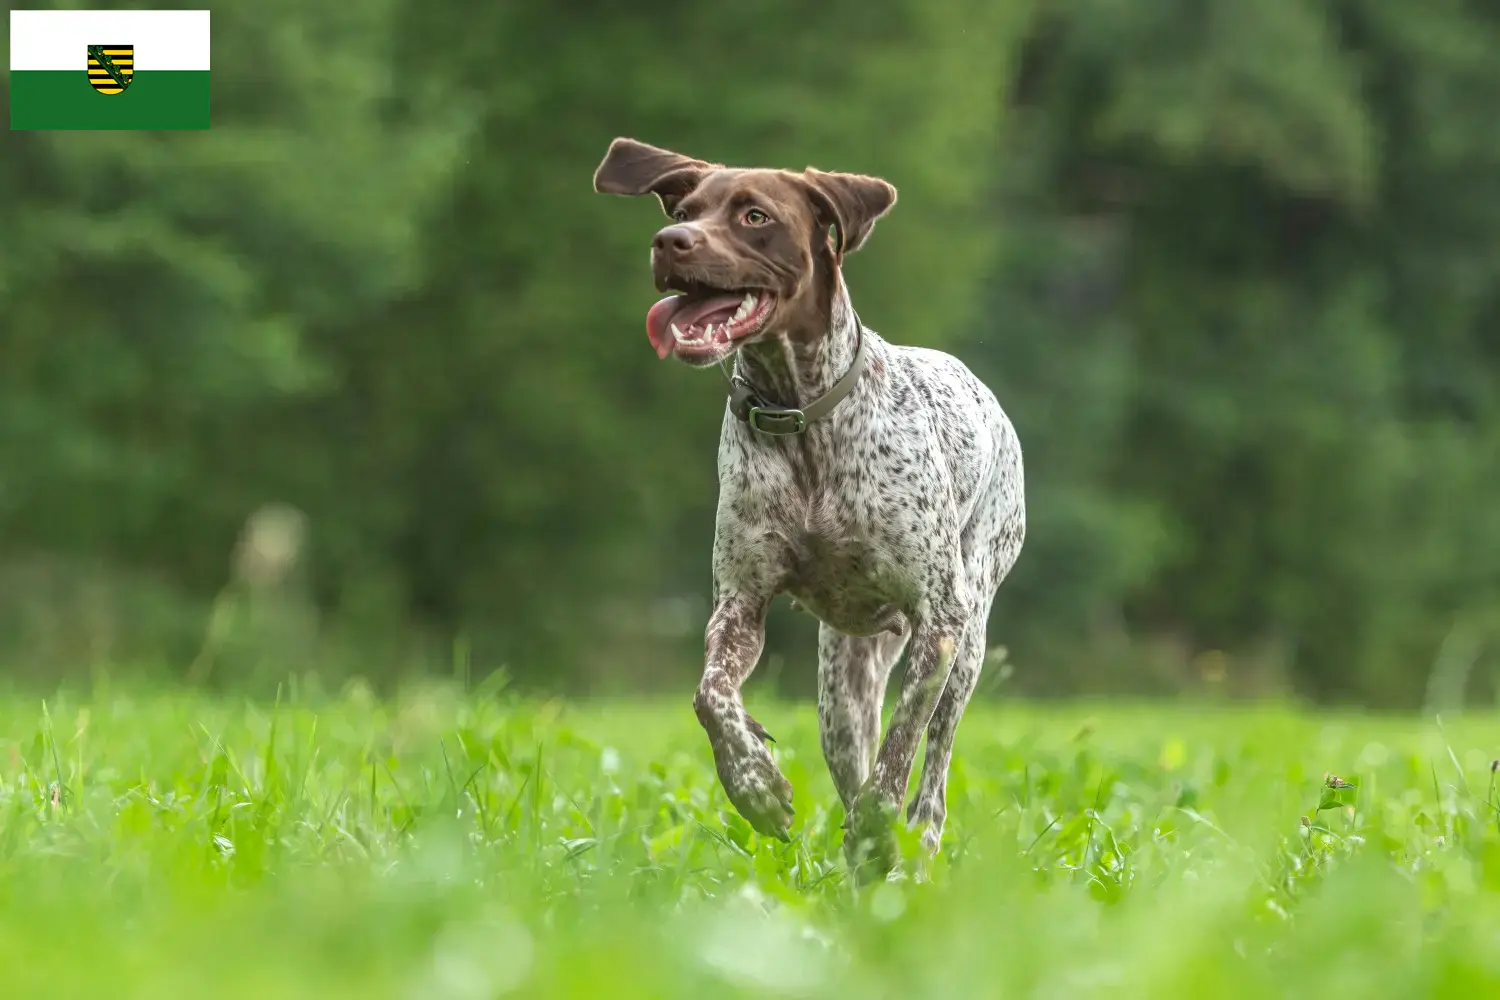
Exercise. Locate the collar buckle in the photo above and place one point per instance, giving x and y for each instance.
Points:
(747, 406)
(776, 420)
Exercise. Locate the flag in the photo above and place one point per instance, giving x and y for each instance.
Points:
(109, 69)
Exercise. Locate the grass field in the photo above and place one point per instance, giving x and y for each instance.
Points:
(472, 848)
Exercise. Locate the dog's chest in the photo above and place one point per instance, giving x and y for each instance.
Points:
(852, 581)
(839, 523)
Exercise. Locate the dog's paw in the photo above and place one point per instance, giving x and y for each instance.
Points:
(753, 782)
(928, 816)
(870, 844)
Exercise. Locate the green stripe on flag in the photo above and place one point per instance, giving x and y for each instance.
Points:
(63, 99)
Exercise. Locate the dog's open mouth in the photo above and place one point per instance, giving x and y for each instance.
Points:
(704, 320)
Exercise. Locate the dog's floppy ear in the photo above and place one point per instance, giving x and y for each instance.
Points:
(850, 202)
(633, 168)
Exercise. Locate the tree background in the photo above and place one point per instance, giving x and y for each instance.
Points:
(355, 384)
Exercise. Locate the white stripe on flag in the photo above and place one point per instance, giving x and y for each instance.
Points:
(59, 39)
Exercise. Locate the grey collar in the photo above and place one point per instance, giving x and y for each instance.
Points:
(749, 407)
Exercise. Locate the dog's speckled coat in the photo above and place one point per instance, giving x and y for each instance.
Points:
(893, 520)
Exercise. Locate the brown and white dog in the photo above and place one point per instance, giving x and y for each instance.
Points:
(879, 486)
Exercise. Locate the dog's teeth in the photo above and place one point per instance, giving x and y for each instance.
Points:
(745, 307)
(678, 334)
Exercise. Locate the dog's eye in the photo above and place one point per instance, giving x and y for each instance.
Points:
(755, 217)
(680, 215)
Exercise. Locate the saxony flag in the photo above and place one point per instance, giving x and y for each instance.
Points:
(109, 69)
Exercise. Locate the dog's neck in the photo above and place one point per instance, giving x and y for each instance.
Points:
(795, 367)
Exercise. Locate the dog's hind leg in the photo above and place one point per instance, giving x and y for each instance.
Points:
(992, 544)
(929, 809)
(852, 676)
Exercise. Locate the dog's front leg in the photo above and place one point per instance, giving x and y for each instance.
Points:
(870, 843)
(756, 786)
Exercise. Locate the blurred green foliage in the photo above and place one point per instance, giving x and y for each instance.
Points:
(1234, 270)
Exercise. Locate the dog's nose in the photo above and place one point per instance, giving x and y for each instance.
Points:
(675, 240)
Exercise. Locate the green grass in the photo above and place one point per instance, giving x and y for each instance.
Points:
(444, 847)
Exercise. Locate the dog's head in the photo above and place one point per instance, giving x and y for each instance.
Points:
(748, 250)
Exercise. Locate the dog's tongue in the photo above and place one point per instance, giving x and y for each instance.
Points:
(658, 321)
(684, 312)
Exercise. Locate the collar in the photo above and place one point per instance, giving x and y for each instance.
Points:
(749, 407)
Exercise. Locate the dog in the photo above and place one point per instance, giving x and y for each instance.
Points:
(879, 486)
